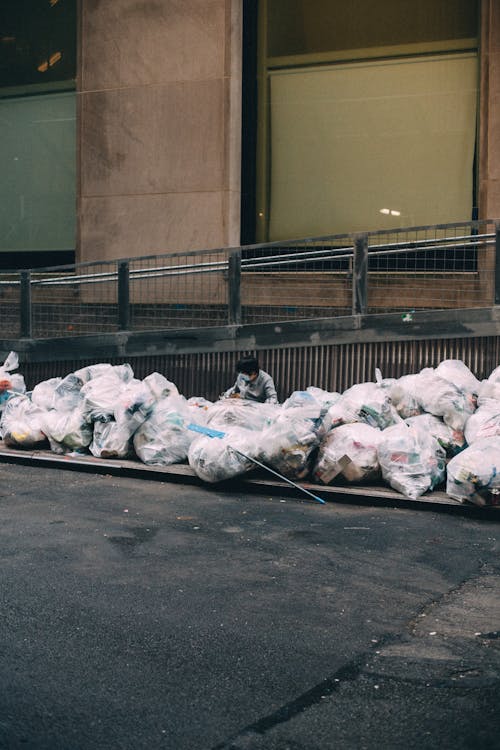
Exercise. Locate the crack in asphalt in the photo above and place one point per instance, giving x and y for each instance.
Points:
(349, 672)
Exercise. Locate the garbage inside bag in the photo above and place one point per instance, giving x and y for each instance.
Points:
(67, 394)
(164, 439)
(92, 371)
(443, 399)
(299, 398)
(457, 372)
(10, 381)
(351, 451)
(484, 423)
(364, 402)
(20, 424)
(474, 474)
(452, 441)
(288, 443)
(217, 459)
(67, 431)
(325, 398)
(159, 386)
(404, 396)
(43, 394)
(241, 413)
(133, 405)
(111, 440)
(100, 395)
(411, 459)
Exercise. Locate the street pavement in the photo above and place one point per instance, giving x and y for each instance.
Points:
(145, 614)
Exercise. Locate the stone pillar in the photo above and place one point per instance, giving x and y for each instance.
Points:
(159, 117)
(489, 112)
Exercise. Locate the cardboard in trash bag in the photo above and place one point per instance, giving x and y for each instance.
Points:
(351, 451)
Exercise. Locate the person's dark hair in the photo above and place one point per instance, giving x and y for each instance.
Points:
(248, 365)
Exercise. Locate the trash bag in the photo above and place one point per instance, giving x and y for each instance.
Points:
(411, 459)
(43, 394)
(239, 412)
(364, 402)
(457, 372)
(20, 424)
(351, 451)
(67, 394)
(100, 395)
(474, 474)
(484, 423)
(325, 398)
(133, 405)
(159, 386)
(288, 443)
(217, 459)
(404, 396)
(93, 371)
(111, 440)
(67, 431)
(11, 381)
(452, 441)
(444, 399)
(299, 398)
(164, 438)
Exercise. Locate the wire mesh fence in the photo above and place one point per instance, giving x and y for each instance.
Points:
(402, 270)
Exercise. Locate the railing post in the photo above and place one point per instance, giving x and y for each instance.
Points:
(123, 296)
(497, 264)
(360, 275)
(234, 288)
(25, 305)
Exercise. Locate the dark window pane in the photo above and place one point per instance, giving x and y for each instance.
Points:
(37, 41)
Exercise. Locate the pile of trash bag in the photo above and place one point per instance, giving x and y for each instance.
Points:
(435, 429)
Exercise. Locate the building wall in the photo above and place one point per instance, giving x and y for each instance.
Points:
(489, 114)
(159, 102)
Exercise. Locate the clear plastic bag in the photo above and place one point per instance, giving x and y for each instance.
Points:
(100, 396)
(457, 372)
(351, 451)
(484, 423)
(164, 438)
(452, 441)
(11, 381)
(111, 440)
(43, 394)
(444, 399)
(411, 459)
(238, 412)
(365, 402)
(21, 423)
(474, 474)
(217, 459)
(159, 386)
(67, 431)
(288, 444)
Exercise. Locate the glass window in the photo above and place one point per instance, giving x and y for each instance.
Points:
(37, 132)
(366, 115)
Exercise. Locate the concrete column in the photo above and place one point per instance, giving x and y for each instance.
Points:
(159, 102)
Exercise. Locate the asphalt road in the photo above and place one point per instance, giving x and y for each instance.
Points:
(140, 614)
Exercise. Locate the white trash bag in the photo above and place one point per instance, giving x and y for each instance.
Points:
(351, 451)
(364, 402)
(238, 412)
(484, 423)
(452, 441)
(67, 431)
(21, 423)
(474, 474)
(164, 438)
(216, 459)
(288, 444)
(411, 459)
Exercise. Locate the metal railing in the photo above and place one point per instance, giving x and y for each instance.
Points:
(402, 270)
